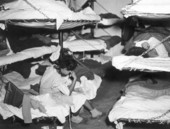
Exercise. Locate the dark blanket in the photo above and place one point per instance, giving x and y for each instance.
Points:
(83, 71)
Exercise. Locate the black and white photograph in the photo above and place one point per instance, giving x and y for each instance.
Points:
(84, 64)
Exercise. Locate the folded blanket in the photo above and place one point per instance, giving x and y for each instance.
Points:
(13, 96)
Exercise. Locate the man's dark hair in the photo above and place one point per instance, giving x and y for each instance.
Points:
(136, 51)
(67, 61)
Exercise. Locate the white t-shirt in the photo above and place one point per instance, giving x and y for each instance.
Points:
(52, 82)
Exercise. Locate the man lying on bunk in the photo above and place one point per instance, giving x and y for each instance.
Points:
(150, 40)
(65, 76)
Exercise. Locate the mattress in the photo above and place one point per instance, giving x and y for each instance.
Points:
(81, 45)
(27, 54)
(148, 8)
(156, 64)
(142, 102)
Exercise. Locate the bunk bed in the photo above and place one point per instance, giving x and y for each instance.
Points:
(34, 14)
(38, 15)
(143, 100)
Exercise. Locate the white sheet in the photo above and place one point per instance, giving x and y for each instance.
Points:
(148, 8)
(85, 45)
(53, 109)
(134, 107)
(143, 101)
(139, 63)
(86, 90)
(21, 82)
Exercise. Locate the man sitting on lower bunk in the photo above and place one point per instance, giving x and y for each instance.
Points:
(83, 86)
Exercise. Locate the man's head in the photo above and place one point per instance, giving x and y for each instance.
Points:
(66, 64)
(135, 51)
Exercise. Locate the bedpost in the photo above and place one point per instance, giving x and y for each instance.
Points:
(92, 6)
(61, 40)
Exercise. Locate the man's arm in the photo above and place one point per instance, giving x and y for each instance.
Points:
(74, 79)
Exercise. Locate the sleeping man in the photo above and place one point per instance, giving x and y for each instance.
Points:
(150, 40)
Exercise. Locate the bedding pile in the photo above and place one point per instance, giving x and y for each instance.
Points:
(143, 102)
(47, 105)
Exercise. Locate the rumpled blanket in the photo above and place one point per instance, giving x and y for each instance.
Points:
(143, 102)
